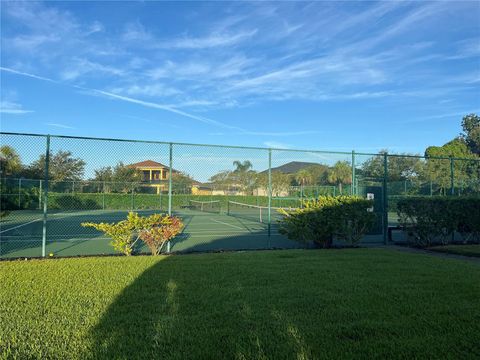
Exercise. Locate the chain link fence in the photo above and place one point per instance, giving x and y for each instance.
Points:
(228, 197)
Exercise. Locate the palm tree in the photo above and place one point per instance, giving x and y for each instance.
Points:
(10, 162)
(242, 167)
(303, 177)
(243, 174)
(340, 173)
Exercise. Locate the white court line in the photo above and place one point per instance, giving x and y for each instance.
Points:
(18, 226)
(234, 226)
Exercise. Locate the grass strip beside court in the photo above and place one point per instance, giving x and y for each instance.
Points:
(465, 250)
(355, 303)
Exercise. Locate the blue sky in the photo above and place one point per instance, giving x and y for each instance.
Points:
(321, 75)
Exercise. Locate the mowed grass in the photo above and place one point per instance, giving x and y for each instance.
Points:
(466, 250)
(297, 304)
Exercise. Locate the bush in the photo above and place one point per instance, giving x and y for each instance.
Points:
(155, 237)
(327, 218)
(427, 220)
(154, 230)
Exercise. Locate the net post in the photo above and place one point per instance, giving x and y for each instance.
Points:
(269, 195)
(385, 198)
(45, 198)
(452, 177)
(352, 187)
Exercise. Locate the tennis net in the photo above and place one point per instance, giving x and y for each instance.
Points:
(254, 212)
(205, 206)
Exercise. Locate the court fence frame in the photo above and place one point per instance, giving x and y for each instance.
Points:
(353, 188)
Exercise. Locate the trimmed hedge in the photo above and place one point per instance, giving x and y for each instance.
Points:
(428, 220)
(327, 218)
(141, 201)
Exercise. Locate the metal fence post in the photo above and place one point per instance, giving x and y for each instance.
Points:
(170, 166)
(269, 195)
(385, 198)
(45, 197)
(352, 188)
(452, 177)
(40, 191)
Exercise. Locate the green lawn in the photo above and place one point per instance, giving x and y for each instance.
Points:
(297, 304)
(467, 250)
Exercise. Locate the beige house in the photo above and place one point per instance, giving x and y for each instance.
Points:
(153, 174)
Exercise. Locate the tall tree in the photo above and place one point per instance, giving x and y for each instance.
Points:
(62, 166)
(303, 177)
(121, 178)
(242, 167)
(318, 173)
(10, 162)
(340, 173)
(281, 183)
(438, 170)
(181, 183)
(103, 178)
(471, 132)
(243, 175)
(398, 167)
(222, 180)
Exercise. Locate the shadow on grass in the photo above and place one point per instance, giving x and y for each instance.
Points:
(290, 305)
(190, 307)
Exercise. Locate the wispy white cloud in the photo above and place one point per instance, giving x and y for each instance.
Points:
(448, 115)
(152, 90)
(62, 126)
(80, 67)
(13, 71)
(276, 145)
(209, 41)
(319, 52)
(9, 107)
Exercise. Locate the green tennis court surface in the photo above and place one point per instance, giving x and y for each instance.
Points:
(205, 230)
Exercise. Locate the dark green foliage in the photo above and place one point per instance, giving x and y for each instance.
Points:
(62, 166)
(335, 304)
(73, 202)
(181, 183)
(427, 220)
(471, 128)
(10, 162)
(327, 218)
(398, 167)
(13, 198)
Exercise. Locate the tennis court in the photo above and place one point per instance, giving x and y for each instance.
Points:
(207, 227)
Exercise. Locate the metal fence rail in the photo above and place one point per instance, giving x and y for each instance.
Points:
(227, 196)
